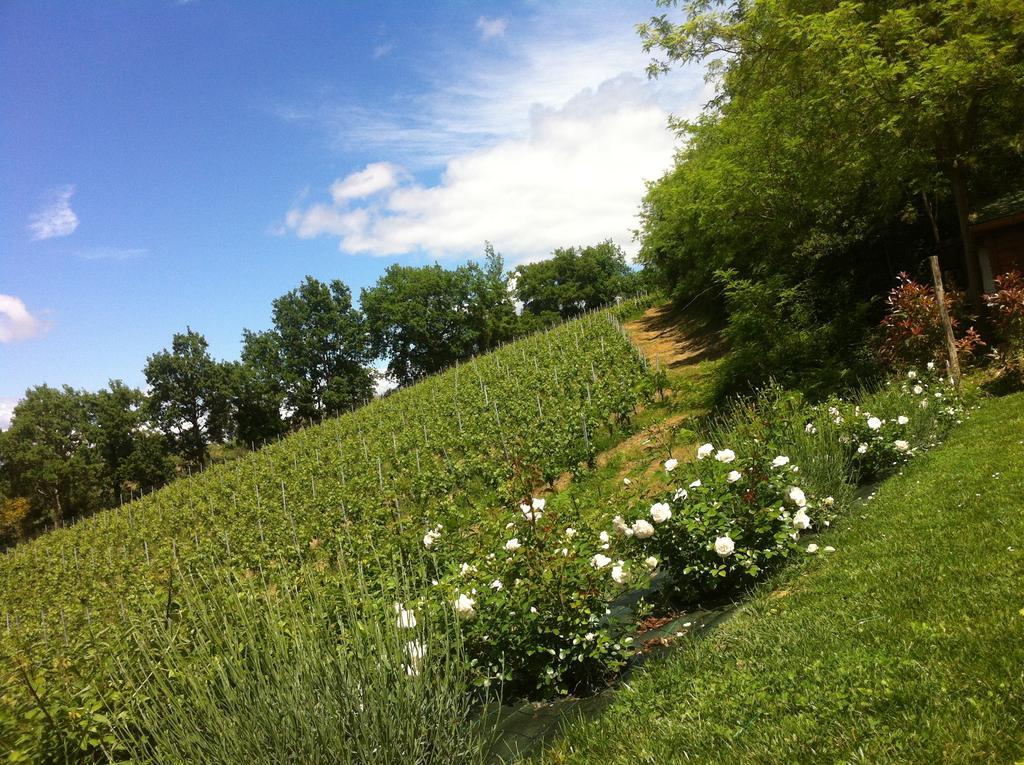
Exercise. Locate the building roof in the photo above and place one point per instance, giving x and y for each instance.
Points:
(1006, 210)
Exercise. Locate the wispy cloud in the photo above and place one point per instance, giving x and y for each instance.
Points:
(547, 142)
(491, 28)
(17, 323)
(383, 49)
(112, 253)
(56, 218)
(474, 98)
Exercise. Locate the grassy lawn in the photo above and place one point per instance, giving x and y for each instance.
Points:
(904, 645)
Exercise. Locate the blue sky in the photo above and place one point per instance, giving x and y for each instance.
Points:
(166, 163)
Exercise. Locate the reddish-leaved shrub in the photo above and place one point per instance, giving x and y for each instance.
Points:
(912, 333)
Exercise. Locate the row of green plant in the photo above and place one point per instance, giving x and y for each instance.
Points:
(359, 489)
(69, 453)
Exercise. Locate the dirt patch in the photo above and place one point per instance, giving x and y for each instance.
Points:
(669, 339)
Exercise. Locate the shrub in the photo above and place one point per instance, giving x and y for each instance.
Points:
(894, 422)
(791, 334)
(1006, 308)
(1006, 305)
(533, 596)
(728, 519)
(912, 333)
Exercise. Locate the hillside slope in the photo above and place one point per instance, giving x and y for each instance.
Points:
(905, 645)
(367, 484)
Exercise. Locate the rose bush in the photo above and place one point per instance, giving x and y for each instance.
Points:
(895, 423)
(727, 519)
(533, 597)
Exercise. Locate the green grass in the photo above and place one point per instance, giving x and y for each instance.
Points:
(906, 645)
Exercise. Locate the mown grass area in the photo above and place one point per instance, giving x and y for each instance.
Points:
(905, 645)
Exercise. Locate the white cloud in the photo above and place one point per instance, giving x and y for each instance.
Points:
(383, 49)
(576, 178)
(542, 142)
(490, 28)
(56, 218)
(378, 176)
(16, 323)
(7, 405)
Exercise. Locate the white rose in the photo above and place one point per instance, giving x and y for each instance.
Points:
(734, 476)
(670, 465)
(496, 585)
(704, 451)
(809, 428)
(619, 574)
(431, 536)
(695, 484)
(725, 455)
(570, 532)
(780, 461)
(538, 503)
(513, 544)
(680, 494)
(902, 419)
(464, 606)
(862, 449)
(660, 512)
(724, 546)
(600, 561)
(812, 548)
(642, 529)
(416, 651)
(901, 446)
(918, 390)
(651, 563)
(406, 619)
(603, 536)
(828, 501)
(801, 521)
(466, 568)
(931, 365)
(626, 481)
(874, 423)
(796, 494)
(912, 374)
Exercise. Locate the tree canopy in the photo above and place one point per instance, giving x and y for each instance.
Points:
(836, 131)
(188, 397)
(424, 319)
(574, 280)
(317, 352)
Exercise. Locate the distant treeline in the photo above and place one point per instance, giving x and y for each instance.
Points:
(69, 453)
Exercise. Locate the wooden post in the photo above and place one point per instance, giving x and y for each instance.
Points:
(940, 297)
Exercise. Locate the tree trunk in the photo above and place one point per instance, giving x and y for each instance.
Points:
(959, 181)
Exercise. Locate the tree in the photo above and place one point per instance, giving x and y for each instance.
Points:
(50, 455)
(257, 394)
(424, 319)
(904, 97)
(188, 397)
(574, 280)
(797, 193)
(316, 355)
(135, 456)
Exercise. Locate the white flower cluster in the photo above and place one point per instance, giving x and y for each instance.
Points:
(432, 536)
